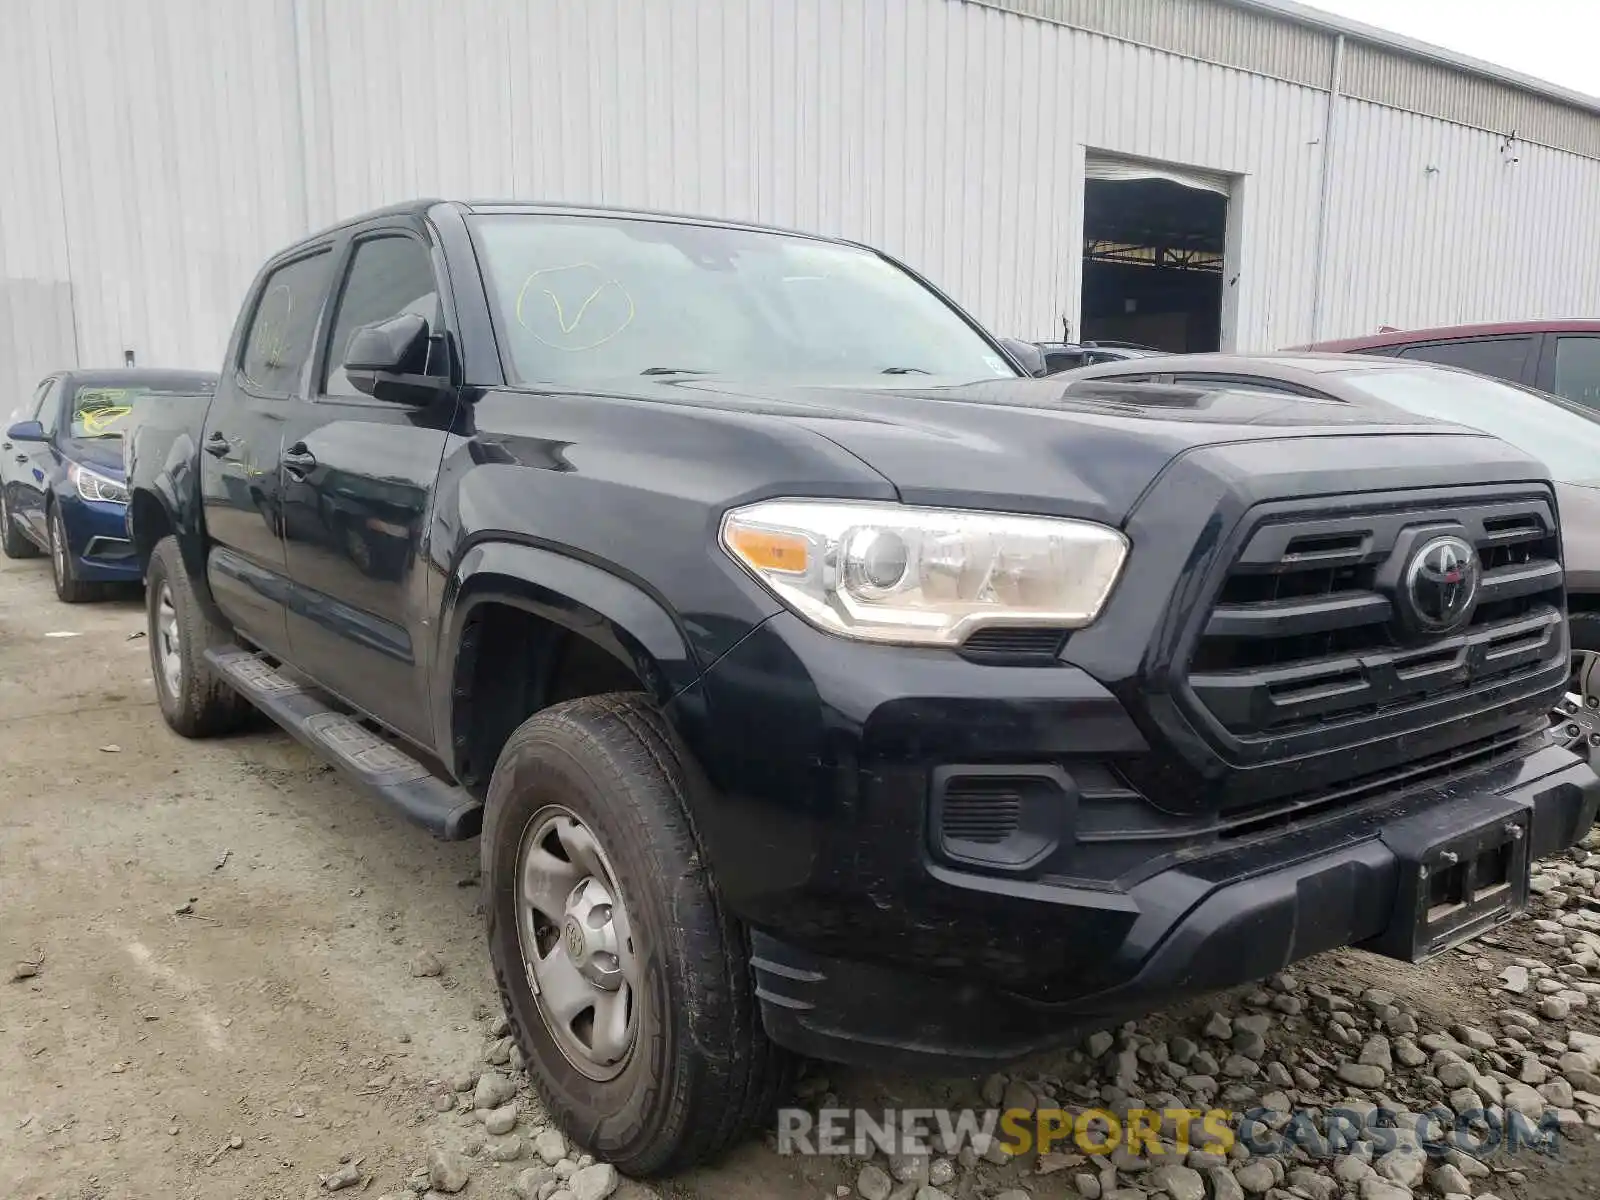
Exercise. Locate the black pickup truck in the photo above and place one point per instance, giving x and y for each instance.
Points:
(819, 681)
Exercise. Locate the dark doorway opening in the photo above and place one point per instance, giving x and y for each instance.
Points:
(1152, 264)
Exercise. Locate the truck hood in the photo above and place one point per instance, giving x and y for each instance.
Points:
(1087, 448)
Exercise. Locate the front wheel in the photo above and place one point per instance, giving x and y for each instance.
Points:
(194, 700)
(627, 984)
(69, 588)
(13, 541)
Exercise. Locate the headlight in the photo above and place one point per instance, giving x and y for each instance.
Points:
(924, 576)
(96, 487)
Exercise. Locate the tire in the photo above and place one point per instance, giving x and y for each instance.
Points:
(13, 541)
(69, 588)
(700, 1072)
(195, 701)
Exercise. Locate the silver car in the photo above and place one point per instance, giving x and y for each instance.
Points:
(1565, 436)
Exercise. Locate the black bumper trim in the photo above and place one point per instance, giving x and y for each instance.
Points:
(1196, 932)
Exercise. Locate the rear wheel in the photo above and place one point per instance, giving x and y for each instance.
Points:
(194, 700)
(626, 982)
(69, 588)
(13, 541)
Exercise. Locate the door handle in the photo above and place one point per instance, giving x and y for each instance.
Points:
(297, 460)
(218, 446)
(22, 458)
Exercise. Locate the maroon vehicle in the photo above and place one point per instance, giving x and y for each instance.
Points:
(1561, 357)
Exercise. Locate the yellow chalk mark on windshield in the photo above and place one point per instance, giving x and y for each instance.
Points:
(101, 420)
(562, 323)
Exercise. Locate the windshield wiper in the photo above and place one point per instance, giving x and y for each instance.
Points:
(905, 371)
(673, 371)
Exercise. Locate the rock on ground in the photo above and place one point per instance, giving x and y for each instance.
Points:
(593, 1183)
(446, 1172)
(873, 1183)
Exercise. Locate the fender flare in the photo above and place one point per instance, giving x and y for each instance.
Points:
(615, 613)
(174, 490)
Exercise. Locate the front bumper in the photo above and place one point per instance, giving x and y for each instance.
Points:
(1200, 927)
(872, 944)
(97, 537)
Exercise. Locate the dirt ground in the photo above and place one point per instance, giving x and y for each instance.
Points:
(224, 1004)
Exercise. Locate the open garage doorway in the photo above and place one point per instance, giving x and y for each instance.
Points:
(1154, 239)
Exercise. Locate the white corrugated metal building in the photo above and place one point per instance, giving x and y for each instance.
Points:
(156, 150)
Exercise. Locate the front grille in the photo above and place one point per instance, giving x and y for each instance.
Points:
(1120, 834)
(1307, 628)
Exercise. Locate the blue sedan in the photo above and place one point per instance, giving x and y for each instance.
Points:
(61, 475)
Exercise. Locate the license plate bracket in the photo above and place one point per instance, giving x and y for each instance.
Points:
(1454, 885)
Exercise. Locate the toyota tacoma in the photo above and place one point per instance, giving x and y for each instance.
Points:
(818, 680)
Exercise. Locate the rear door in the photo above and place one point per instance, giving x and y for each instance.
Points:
(44, 460)
(242, 443)
(1511, 357)
(358, 479)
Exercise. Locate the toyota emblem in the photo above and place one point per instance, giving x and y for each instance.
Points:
(1441, 584)
(576, 942)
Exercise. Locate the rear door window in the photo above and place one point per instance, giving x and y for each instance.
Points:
(1497, 357)
(1578, 369)
(283, 325)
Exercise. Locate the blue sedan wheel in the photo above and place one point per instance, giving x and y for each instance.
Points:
(13, 541)
(69, 588)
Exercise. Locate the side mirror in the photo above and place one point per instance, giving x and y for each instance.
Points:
(27, 431)
(1028, 356)
(389, 361)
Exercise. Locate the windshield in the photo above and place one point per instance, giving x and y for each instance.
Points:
(584, 299)
(1565, 437)
(109, 412)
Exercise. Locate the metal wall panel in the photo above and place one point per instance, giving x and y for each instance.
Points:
(170, 166)
(951, 133)
(36, 328)
(1210, 30)
(1434, 224)
(1401, 81)
(1298, 46)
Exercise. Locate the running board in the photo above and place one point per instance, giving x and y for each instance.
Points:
(384, 770)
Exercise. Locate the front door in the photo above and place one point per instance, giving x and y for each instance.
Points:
(358, 477)
(241, 444)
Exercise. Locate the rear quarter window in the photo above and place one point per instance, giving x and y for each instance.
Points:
(1497, 357)
(1578, 369)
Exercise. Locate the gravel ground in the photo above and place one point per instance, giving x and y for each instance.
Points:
(224, 974)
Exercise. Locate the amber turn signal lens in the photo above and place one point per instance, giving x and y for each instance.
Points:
(767, 550)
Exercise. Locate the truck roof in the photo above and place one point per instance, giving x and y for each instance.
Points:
(421, 207)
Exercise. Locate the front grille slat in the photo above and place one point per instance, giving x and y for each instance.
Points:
(1283, 618)
(1528, 579)
(1304, 632)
